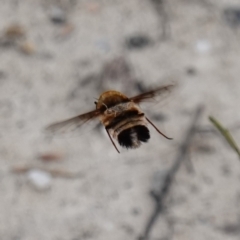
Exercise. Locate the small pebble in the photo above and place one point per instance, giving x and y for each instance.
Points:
(39, 179)
(203, 46)
(191, 71)
(51, 157)
(137, 42)
(27, 48)
(14, 31)
(57, 15)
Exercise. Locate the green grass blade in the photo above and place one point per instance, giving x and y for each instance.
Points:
(226, 134)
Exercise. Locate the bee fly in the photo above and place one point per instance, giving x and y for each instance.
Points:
(122, 117)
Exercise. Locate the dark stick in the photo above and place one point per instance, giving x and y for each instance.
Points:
(160, 8)
(160, 196)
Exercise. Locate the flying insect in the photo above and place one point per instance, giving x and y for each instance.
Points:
(121, 116)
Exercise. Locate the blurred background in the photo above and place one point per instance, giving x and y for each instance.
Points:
(57, 57)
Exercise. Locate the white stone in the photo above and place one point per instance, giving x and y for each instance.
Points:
(39, 179)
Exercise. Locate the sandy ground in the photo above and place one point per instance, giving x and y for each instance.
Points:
(50, 71)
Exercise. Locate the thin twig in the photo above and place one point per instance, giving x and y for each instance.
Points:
(160, 196)
(160, 7)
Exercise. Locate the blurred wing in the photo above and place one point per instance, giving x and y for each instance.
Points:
(72, 123)
(158, 92)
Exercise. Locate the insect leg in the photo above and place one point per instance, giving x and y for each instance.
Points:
(158, 129)
(112, 140)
